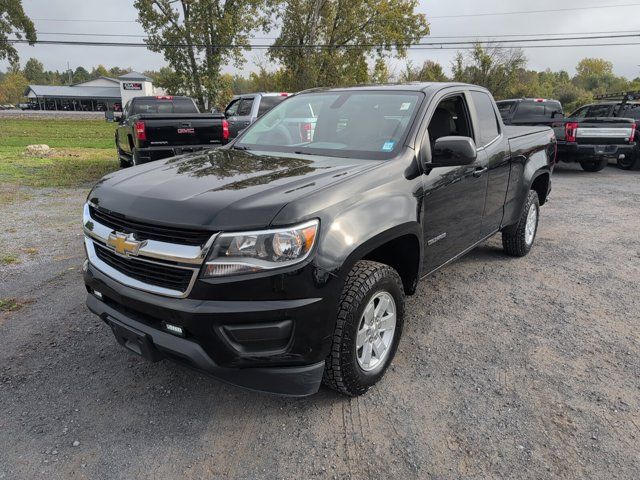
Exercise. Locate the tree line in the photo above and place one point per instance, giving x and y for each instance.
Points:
(503, 72)
(318, 43)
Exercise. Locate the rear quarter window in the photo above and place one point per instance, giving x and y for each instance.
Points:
(504, 108)
(487, 120)
(268, 102)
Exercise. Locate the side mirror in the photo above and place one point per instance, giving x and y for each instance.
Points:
(453, 152)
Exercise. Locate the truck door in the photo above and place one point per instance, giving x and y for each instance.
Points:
(497, 159)
(454, 197)
(239, 115)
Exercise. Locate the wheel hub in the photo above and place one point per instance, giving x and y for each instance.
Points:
(531, 225)
(376, 331)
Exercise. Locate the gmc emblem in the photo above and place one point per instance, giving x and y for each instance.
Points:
(186, 130)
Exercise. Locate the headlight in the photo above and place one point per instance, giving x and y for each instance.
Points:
(252, 252)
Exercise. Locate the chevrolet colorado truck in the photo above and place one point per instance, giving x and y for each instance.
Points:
(276, 264)
(152, 128)
(591, 137)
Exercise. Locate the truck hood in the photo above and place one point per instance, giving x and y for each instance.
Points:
(221, 189)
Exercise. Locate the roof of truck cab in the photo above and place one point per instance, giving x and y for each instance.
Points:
(393, 87)
(538, 99)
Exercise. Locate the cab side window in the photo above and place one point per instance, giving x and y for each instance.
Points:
(450, 118)
(488, 124)
(580, 113)
(599, 111)
(244, 109)
(232, 108)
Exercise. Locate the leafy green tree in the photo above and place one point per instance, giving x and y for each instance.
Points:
(34, 71)
(380, 72)
(99, 71)
(430, 71)
(329, 42)
(12, 87)
(80, 75)
(169, 80)
(117, 71)
(492, 67)
(14, 21)
(198, 38)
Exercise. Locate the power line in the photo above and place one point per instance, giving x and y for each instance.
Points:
(420, 46)
(536, 11)
(476, 36)
(436, 43)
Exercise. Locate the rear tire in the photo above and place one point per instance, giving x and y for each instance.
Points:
(630, 163)
(368, 328)
(518, 239)
(594, 166)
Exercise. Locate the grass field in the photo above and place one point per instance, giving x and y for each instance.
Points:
(83, 152)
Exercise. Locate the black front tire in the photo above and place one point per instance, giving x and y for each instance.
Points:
(515, 240)
(594, 166)
(342, 370)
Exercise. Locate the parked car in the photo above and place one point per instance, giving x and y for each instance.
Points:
(591, 136)
(274, 263)
(530, 111)
(618, 105)
(163, 126)
(7, 106)
(243, 110)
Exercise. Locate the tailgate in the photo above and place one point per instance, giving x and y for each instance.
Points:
(604, 131)
(183, 131)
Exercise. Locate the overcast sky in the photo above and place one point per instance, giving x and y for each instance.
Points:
(118, 17)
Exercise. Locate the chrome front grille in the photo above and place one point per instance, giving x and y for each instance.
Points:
(159, 267)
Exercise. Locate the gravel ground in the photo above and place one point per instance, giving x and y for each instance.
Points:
(519, 368)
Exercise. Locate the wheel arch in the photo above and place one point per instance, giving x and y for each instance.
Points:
(399, 247)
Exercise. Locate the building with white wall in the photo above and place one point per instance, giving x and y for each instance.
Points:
(100, 94)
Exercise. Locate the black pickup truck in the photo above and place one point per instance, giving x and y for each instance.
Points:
(163, 126)
(591, 136)
(275, 263)
(530, 111)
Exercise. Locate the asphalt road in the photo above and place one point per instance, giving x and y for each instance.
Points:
(508, 368)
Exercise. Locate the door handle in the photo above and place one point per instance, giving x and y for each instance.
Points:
(479, 171)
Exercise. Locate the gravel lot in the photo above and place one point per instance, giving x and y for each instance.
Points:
(520, 368)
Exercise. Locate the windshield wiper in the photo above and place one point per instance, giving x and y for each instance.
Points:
(240, 147)
(300, 152)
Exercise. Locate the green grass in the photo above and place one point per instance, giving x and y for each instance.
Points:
(12, 304)
(57, 133)
(8, 259)
(83, 152)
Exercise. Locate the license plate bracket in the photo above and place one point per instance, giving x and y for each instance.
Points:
(135, 341)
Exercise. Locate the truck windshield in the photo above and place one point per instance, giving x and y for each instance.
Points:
(358, 124)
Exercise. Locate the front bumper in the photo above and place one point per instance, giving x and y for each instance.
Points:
(576, 152)
(294, 381)
(276, 346)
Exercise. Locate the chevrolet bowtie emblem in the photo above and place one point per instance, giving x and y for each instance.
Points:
(125, 244)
